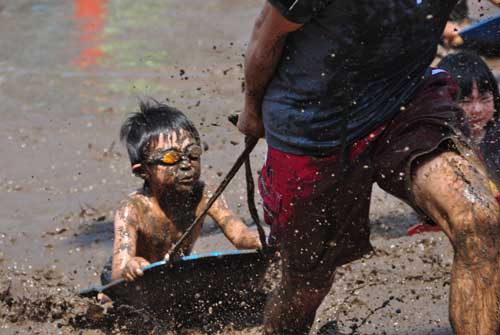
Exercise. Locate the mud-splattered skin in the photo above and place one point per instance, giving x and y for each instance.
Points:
(155, 217)
(457, 194)
(157, 230)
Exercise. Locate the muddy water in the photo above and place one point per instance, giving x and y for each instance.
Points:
(69, 73)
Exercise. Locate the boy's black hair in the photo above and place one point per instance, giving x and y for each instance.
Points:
(145, 126)
(467, 68)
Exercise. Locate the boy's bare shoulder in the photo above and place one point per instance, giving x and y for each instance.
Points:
(132, 210)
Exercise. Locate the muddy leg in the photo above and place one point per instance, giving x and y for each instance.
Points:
(456, 195)
(292, 306)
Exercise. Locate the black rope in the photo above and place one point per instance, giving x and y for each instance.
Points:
(251, 200)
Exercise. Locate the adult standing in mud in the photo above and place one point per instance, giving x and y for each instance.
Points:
(344, 99)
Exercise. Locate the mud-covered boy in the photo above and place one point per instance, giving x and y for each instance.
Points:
(164, 150)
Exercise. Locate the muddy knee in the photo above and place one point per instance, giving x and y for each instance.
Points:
(472, 215)
(457, 194)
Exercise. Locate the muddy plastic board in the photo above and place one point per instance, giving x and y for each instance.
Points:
(193, 283)
(483, 35)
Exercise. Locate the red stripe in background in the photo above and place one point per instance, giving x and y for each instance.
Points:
(90, 18)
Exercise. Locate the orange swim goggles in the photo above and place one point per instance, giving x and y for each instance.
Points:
(173, 156)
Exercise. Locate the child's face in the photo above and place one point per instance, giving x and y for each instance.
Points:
(174, 162)
(479, 108)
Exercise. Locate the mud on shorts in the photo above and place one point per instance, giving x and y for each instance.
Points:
(320, 221)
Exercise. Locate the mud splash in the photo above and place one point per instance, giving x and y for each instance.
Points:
(70, 314)
(49, 303)
(400, 288)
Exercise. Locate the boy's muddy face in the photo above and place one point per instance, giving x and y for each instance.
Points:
(174, 162)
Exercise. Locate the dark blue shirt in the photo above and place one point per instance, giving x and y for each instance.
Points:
(349, 69)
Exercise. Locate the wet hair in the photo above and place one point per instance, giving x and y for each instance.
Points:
(143, 128)
(467, 68)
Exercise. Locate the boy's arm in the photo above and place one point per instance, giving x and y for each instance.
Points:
(232, 226)
(125, 264)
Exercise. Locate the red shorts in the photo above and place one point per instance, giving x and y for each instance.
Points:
(320, 220)
(300, 200)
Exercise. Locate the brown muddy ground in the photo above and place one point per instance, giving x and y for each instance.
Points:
(69, 73)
